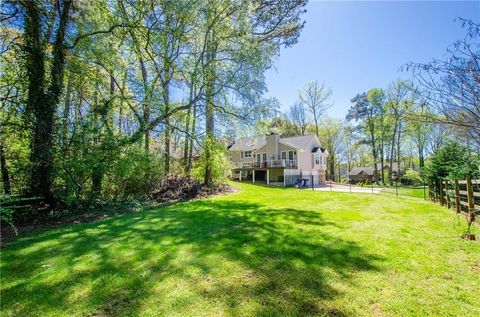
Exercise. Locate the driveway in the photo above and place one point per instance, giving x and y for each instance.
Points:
(348, 189)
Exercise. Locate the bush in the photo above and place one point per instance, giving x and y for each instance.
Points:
(411, 177)
(220, 163)
(135, 174)
(6, 214)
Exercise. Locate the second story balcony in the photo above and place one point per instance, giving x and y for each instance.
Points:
(267, 164)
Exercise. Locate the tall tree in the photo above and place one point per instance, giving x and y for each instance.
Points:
(399, 100)
(316, 97)
(450, 87)
(366, 113)
(298, 115)
(376, 97)
(43, 94)
(332, 133)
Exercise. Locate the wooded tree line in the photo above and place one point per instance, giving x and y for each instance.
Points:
(101, 99)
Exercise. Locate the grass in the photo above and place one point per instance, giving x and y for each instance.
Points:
(417, 191)
(261, 252)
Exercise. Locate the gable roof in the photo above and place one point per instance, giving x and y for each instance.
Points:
(255, 142)
(299, 142)
(319, 150)
(248, 143)
(359, 170)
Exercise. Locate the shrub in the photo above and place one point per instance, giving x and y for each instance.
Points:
(411, 177)
(220, 163)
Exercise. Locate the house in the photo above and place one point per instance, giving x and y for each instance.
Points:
(273, 159)
(361, 174)
(366, 173)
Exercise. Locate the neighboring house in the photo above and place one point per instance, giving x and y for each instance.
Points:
(361, 174)
(271, 158)
(366, 173)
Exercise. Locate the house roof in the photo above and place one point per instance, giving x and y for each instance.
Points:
(299, 142)
(319, 149)
(367, 170)
(248, 143)
(256, 142)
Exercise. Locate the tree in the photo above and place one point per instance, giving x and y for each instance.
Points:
(419, 129)
(235, 51)
(332, 133)
(43, 94)
(298, 116)
(450, 87)
(376, 97)
(316, 98)
(400, 98)
(366, 113)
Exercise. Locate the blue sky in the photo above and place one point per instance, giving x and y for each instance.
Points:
(355, 46)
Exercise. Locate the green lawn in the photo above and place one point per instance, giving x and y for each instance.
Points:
(260, 252)
(417, 192)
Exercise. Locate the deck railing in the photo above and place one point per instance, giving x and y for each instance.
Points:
(268, 164)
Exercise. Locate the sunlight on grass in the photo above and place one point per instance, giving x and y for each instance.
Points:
(263, 251)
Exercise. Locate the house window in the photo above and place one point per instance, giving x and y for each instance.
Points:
(284, 155)
(247, 154)
(264, 157)
(241, 154)
(317, 159)
(292, 155)
(258, 157)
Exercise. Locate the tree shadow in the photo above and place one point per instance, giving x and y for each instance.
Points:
(237, 254)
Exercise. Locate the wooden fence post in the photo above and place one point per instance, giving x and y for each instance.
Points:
(471, 214)
(457, 197)
(446, 194)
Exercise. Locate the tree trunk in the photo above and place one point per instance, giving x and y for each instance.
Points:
(332, 166)
(392, 156)
(166, 99)
(7, 189)
(382, 160)
(66, 114)
(209, 111)
(398, 148)
(374, 149)
(187, 129)
(421, 158)
(43, 104)
(192, 138)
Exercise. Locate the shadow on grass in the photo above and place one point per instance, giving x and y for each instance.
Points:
(281, 261)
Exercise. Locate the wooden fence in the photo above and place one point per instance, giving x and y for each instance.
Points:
(461, 195)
